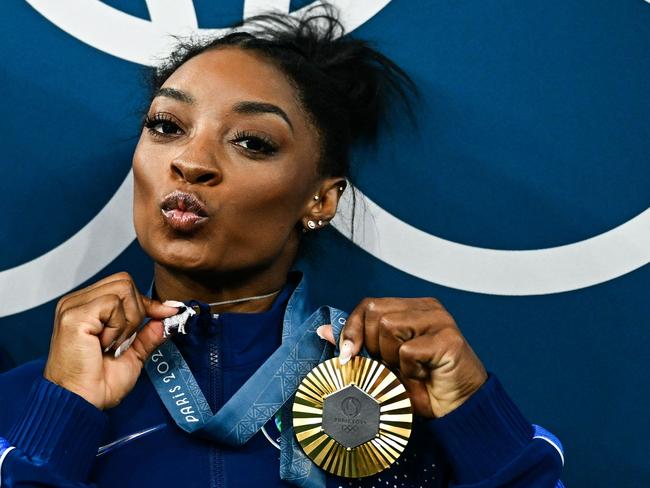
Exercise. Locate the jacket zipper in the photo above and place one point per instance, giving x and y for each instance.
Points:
(216, 399)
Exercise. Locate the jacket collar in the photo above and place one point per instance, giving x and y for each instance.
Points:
(298, 306)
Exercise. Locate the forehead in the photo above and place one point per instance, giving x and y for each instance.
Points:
(223, 74)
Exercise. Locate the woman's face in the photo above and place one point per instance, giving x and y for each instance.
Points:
(226, 166)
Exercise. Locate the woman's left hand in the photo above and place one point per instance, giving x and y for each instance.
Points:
(420, 341)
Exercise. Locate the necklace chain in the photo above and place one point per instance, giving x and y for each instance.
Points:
(178, 321)
(237, 300)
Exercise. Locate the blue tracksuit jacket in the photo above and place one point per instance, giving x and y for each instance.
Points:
(52, 437)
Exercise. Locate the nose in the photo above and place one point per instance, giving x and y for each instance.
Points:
(195, 172)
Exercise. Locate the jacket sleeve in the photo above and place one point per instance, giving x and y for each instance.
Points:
(53, 442)
(488, 443)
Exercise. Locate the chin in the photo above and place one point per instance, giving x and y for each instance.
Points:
(182, 261)
(180, 253)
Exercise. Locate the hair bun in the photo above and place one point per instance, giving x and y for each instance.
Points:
(365, 80)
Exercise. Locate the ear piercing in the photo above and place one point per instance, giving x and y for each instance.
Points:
(312, 225)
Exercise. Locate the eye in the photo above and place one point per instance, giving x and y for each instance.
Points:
(162, 124)
(255, 144)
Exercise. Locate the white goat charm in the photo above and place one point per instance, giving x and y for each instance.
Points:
(177, 322)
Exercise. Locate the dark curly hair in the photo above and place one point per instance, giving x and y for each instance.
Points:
(343, 84)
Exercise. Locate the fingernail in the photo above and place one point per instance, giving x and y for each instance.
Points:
(173, 303)
(125, 345)
(319, 332)
(110, 345)
(346, 352)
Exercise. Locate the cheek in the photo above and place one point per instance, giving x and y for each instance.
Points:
(269, 199)
(144, 178)
(258, 214)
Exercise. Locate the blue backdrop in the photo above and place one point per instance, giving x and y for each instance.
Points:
(522, 202)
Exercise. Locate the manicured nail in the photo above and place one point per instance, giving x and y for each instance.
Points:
(125, 345)
(173, 303)
(346, 352)
(319, 332)
(110, 345)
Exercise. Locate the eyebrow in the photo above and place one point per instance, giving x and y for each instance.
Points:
(245, 107)
(249, 107)
(179, 95)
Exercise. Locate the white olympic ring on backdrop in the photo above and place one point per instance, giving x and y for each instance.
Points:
(490, 271)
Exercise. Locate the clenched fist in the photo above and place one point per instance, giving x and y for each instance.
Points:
(96, 319)
(420, 341)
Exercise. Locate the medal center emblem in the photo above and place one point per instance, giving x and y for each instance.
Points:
(350, 416)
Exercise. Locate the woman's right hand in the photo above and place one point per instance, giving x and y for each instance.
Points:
(96, 318)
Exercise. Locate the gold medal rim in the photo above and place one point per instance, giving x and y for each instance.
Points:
(395, 418)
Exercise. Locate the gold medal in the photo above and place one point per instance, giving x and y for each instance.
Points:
(352, 420)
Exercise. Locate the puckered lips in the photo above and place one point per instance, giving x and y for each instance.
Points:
(183, 211)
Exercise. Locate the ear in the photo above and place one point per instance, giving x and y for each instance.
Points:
(322, 208)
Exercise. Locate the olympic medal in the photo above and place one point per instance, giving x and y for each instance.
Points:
(352, 420)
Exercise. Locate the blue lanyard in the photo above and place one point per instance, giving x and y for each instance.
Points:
(267, 392)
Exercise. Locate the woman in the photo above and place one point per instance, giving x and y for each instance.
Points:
(242, 156)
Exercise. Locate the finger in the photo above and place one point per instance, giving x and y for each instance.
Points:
(415, 357)
(370, 323)
(363, 324)
(351, 338)
(115, 324)
(150, 308)
(146, 341)
(396, 328)
(103, 317)
(156, 310)
(326, 333)
(375, 308)
(386, 306)
(133, 307)
(109, 279)
(125, 289)
(440, 351)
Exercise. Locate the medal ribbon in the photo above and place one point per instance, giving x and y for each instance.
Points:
(267, 391)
